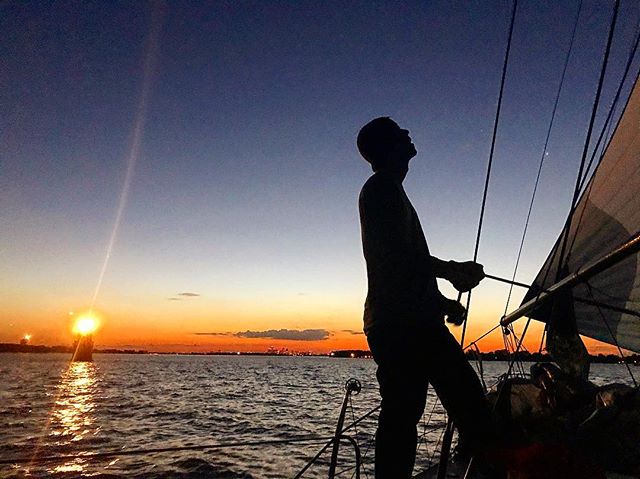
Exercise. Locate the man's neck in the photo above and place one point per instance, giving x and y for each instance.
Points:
(397, 174)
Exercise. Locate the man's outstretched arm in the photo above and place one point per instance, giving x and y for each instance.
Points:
(463, 276)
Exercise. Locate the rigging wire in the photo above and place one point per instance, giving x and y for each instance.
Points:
(516, 339)
(480, 366)
(513, 360)
(353, 419)
(544, 153)
(447, 440)
(542, 338)
(481, 337)
(580, 185)
(606, 127)
(370, 442)
(519, 363)
(435, 448)
(613, 336)
(510, 341)
(596, 102)
(608, 122)
(330, 442)
(427, 422)
(490, 162)
(580, 178)
(611, 297)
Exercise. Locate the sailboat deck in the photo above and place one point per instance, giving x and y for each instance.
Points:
(455, 470)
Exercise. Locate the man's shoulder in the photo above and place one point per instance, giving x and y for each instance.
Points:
(381, 195)
(377, 185)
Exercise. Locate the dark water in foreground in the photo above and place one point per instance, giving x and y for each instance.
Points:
(128, 402)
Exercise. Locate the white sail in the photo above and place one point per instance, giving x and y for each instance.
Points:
(607, 306)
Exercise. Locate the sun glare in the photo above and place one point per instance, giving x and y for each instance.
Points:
(85, 325)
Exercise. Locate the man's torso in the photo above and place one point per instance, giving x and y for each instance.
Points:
(402, 289)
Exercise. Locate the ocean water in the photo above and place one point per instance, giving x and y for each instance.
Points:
(50, 407)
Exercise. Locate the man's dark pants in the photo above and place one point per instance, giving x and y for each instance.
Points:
(408, 360)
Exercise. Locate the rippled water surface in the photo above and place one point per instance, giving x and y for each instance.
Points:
(49, 406)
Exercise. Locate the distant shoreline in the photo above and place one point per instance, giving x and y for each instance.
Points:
(41, 349)
(501, 355)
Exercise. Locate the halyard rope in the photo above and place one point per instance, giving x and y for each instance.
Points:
(490, 162)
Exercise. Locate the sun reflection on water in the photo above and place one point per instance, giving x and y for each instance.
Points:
(72, 418)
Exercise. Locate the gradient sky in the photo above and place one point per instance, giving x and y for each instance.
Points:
(245, 183)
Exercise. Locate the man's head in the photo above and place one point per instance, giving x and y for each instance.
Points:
(384, 144)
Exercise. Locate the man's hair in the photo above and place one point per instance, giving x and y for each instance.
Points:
(376, 139)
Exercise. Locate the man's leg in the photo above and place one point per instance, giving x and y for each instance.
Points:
(403, 389)
(459, 389)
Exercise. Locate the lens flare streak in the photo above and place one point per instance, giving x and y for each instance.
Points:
(150, 61)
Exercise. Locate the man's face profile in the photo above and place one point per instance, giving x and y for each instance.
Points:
(403, 149)
(385, 145)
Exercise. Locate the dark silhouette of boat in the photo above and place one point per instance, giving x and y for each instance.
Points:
(83, 348)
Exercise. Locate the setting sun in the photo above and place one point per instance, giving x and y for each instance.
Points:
(85, 325)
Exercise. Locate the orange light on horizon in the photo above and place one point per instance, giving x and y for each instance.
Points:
(86, 325)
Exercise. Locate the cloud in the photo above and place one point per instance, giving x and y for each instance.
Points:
(174, 299)
(213, 334)
(353, 331)
(290, 334)
(191, 295)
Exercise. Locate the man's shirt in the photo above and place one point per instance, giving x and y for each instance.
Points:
(402, 287)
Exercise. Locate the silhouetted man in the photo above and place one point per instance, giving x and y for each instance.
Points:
(404, 310)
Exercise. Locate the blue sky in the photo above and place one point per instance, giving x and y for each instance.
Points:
(246, 184)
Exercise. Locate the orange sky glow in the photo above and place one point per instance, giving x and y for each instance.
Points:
(192, 327)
